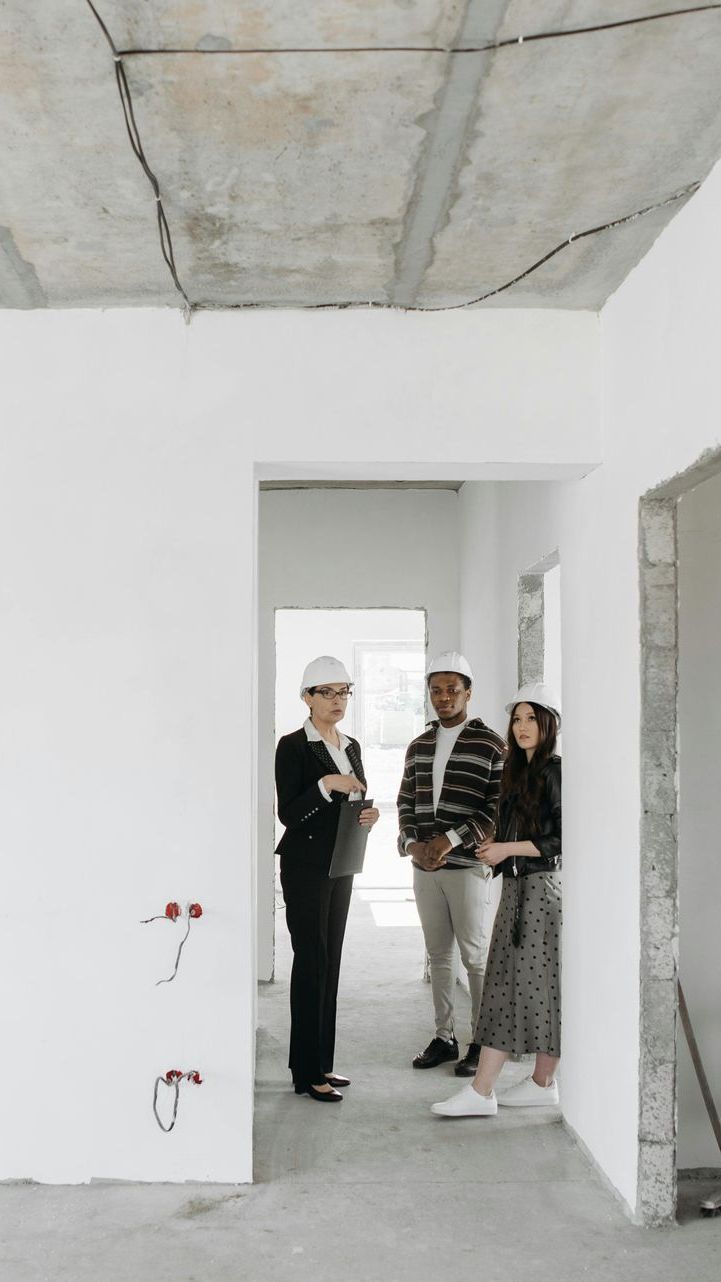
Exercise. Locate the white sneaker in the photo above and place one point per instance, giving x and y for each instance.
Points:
(467, 1103)
(527, 1094)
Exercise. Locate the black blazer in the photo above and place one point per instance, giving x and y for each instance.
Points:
(309, 820)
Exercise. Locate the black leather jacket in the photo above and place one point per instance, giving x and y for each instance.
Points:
(548, 837)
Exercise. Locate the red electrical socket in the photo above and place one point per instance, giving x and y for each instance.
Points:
(172, 910)
(195, 910)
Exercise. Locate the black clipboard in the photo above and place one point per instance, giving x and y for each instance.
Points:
(351, 839)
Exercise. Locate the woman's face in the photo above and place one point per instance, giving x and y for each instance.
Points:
(525, 727)
(328, 703)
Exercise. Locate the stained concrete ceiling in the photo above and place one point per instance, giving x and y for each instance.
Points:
(360, 157)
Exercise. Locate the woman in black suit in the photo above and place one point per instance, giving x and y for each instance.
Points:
(317, 769)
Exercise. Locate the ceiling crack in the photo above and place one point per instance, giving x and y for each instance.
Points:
(447, 128)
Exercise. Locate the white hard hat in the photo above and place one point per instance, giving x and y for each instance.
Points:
(323, 669)
(450, 661)
(537, 692)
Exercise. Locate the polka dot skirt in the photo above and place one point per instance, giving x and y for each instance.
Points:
(521, 1007)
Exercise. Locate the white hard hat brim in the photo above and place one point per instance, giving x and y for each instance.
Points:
(323, 670)
(540, 694)
(450, 661)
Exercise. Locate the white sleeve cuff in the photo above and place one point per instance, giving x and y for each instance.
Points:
(453, 837)
(324, 791)
(408, 842)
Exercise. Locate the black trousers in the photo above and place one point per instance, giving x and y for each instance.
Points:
(316, 910)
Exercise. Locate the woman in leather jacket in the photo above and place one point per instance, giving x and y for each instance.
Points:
(521, 1007)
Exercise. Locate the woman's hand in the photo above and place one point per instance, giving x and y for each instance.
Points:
(494, 852)
(342, 783)
(369, 816)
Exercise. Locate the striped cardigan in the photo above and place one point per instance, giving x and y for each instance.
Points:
(469, 795)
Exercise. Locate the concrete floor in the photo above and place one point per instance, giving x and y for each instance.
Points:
(374, 1188)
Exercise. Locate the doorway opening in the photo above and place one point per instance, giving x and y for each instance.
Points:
(384, 650)
(539, 623)
(680, 589)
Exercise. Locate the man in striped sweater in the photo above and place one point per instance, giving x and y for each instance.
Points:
(446, 808)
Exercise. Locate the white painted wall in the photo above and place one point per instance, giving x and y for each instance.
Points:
(127, 460)
(660, 413)
(345, 549)
(481, 640)
(126, 502)
(552, 644)
(506, 530)
(699, 530)
(126, 752)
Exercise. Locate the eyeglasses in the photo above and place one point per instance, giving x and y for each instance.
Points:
(325, 692)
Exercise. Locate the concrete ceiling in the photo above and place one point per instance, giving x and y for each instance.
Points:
(357, 159)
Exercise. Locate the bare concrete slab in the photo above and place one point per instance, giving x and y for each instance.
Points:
(373, 1188)
(322, 23)
(409, 153)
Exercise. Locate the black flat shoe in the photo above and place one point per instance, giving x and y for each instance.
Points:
(335, 1079)
(325, 1097)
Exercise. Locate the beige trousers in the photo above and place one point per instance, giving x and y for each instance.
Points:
(455, 906)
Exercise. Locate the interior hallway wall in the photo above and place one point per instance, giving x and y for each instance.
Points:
(126, 511)
(345, 548)
(660, 415)
(505, 530)
(659, 339)
(130, 448)
(124, 734)
(699, 713)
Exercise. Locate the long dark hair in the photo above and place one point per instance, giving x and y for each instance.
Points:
(521, 784)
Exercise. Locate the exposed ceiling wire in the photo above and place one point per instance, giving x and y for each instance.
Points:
(166, 243)
(491, 293)
(509, 43)
(590, 231)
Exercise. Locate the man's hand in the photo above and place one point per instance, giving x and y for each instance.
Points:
(422, 854)
(438, 847)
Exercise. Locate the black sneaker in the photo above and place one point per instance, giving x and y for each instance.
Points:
(467, 1066)
(439, 1051)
